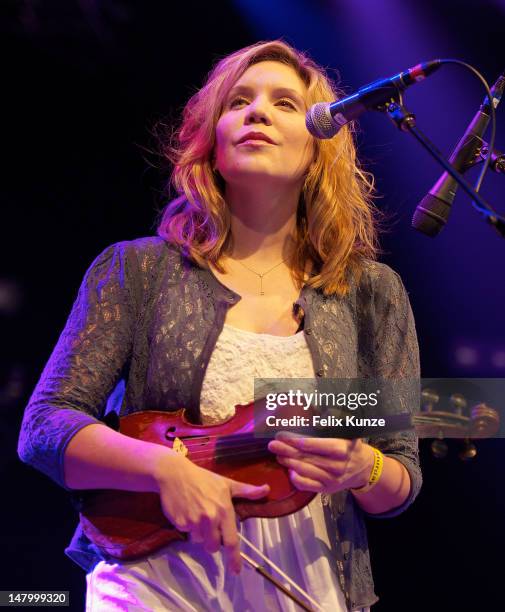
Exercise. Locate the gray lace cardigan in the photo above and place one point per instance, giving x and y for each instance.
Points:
(140, 336)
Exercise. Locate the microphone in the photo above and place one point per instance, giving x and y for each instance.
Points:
(325, 119)
(433, 211)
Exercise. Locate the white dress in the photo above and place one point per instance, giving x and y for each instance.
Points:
(183, 576)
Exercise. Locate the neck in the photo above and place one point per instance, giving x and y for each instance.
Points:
(263, 220)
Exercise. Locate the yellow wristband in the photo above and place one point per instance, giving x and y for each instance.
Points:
(375, 474)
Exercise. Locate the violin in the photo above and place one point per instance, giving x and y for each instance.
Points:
(128, 524)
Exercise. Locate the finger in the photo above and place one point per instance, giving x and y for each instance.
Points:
(196, 536)
(211, 535)
(288, 450)
(332, 447)
(243, 489)
(289, 437)
(305, 484)
(231, 541)
(281, 448)
(284, 450)
(181, 525)
(334, 468)
(308, 470)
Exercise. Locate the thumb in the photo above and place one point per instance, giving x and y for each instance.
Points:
(243, 489)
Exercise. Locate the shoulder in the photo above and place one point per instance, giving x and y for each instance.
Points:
(147, 251)
(373, 280)
(142, 246)
(148, 254)
(378, 280)
(151, 246)
(380, 291)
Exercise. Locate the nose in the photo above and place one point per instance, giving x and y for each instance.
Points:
(258, 112)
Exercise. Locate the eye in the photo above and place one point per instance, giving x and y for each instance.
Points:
(287, 103)
(238, 101)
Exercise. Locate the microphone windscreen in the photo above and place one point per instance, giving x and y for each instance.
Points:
(431, 215)
(319, 121)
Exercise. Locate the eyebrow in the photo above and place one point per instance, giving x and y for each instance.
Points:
(278, 91)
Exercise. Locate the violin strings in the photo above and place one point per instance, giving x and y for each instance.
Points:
(226, 455)
(204, 436)
(227, 447)
(256, 448)
(253, 450)
(234, 446)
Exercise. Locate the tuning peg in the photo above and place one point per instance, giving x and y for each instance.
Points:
(429, 397)
(458, 402)
(468, 451)
(439, 449)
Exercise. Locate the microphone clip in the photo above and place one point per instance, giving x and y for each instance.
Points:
(404, 119)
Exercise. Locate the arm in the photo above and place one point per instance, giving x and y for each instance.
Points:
(98, 457)
(84, 366)
(391, 352)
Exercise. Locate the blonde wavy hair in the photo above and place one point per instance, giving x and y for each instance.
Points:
(336, 224)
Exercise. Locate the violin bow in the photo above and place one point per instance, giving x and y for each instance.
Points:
(261, 570)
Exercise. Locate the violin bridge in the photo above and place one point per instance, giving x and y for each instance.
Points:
(179, 447)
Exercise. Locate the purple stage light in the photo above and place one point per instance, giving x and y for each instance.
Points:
(498, 359)
(466, 356)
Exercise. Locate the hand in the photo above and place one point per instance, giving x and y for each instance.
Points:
(324, 465)
(198, 501)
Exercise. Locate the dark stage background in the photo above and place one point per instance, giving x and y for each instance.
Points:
(85, 80)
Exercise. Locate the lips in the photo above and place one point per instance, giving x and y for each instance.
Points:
(255, 136)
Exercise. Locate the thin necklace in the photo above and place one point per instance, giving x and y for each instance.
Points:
(261, 275)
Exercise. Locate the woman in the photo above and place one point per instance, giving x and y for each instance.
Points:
(263, 268)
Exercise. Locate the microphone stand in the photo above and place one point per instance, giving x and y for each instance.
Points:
(406, 122)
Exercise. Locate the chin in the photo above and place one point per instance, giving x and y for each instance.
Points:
(250, 172)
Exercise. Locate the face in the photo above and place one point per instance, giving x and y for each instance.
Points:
(261, 133)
